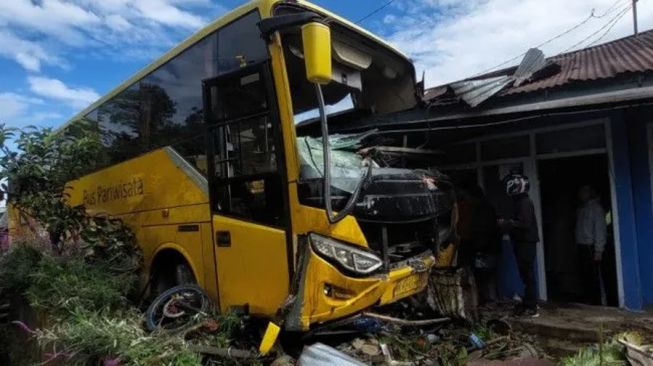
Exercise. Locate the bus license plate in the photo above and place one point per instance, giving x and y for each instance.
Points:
(410, 284)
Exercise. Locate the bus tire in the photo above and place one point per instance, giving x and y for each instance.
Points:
(170, 270)
(154, 313)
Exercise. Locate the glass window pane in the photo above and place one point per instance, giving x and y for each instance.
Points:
(120, 125)
(245, 148)
(573, 139)
(506, 148)
(260, 200)
(193, 150)
(240, 44)
(172, 102)
(238, 96)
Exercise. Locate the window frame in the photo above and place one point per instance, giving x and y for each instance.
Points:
(272, 114)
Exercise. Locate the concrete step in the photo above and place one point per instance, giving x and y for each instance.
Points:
(557, 329)
(562, 330)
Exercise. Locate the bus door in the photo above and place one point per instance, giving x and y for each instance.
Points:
(248, 191)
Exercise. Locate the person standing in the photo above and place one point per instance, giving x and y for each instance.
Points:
(524, 234)
(590, 233)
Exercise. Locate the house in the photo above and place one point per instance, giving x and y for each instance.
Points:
(583, 117)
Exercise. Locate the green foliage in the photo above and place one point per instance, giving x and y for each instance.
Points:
(62, 284)
(91, 336)
(17, 265)
(44, 160)
(609, 354)
(38, 169)
(89, 316)
(81, 284)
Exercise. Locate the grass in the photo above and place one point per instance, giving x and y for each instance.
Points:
(17, 265)
(61, 285)
(90, 319)
(91, 336)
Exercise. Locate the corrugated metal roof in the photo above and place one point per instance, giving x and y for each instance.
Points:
(605, 61)
(475, 92)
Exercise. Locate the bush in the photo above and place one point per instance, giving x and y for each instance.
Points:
(17, 265)
(88, 337)
(62, 284)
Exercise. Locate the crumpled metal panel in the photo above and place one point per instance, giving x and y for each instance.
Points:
(633, 54)
(478, 90)
(320, 354)
(475, 92)
(532, 62)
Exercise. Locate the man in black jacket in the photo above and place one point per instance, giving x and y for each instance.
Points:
(524, 234)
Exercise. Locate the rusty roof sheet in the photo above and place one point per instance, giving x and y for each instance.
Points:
(605, 61)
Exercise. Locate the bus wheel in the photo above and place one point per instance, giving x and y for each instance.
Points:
(168, 275)
(184, 275)
(177, 308)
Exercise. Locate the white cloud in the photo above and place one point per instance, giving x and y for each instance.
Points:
(28, 54)
(57, 90)
(45, 29)
(453, 39)
(51, 17)
(19, 110)
(117, 22)
(11, 106)
(168, 14)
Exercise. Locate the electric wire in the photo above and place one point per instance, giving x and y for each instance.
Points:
(613, 8)
(609, 11)
(610, 24)
(375, 11)
(608, 30)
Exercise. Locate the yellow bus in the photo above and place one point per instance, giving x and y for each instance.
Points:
(213, 157)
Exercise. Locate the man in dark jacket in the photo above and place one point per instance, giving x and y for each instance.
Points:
(524, 234)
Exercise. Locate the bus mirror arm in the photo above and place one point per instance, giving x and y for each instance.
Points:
(326, 182)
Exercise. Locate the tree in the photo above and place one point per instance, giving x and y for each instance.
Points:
(36, 164)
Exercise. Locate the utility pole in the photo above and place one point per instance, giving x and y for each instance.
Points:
(635, 17)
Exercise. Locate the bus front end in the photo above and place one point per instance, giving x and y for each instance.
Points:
(366, 232)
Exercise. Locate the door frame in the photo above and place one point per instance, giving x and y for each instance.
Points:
(530, 164)
(649, 139)
(265, 71)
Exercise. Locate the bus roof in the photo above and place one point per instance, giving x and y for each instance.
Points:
(264, 5)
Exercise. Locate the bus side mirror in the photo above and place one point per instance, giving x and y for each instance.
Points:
(316, 39)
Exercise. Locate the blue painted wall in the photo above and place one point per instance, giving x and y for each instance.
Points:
(630, 260)
(641, 180)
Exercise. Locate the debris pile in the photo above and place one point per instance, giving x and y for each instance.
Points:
(391, 340)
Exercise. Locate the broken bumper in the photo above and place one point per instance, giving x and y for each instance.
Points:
(323, 293)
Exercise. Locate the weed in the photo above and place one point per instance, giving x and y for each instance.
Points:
(16, 266)
(60, 285)
(609, 354)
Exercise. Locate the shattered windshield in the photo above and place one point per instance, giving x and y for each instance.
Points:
(347, 166)
(367, 80)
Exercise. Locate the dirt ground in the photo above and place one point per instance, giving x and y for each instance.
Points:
(562, 329)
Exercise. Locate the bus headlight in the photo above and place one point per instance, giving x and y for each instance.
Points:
(348, 256)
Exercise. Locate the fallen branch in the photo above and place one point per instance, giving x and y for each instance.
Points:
(223, 352)
(24, 327)
(405, 322)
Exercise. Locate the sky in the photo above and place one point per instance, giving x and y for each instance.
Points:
(58, 56)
